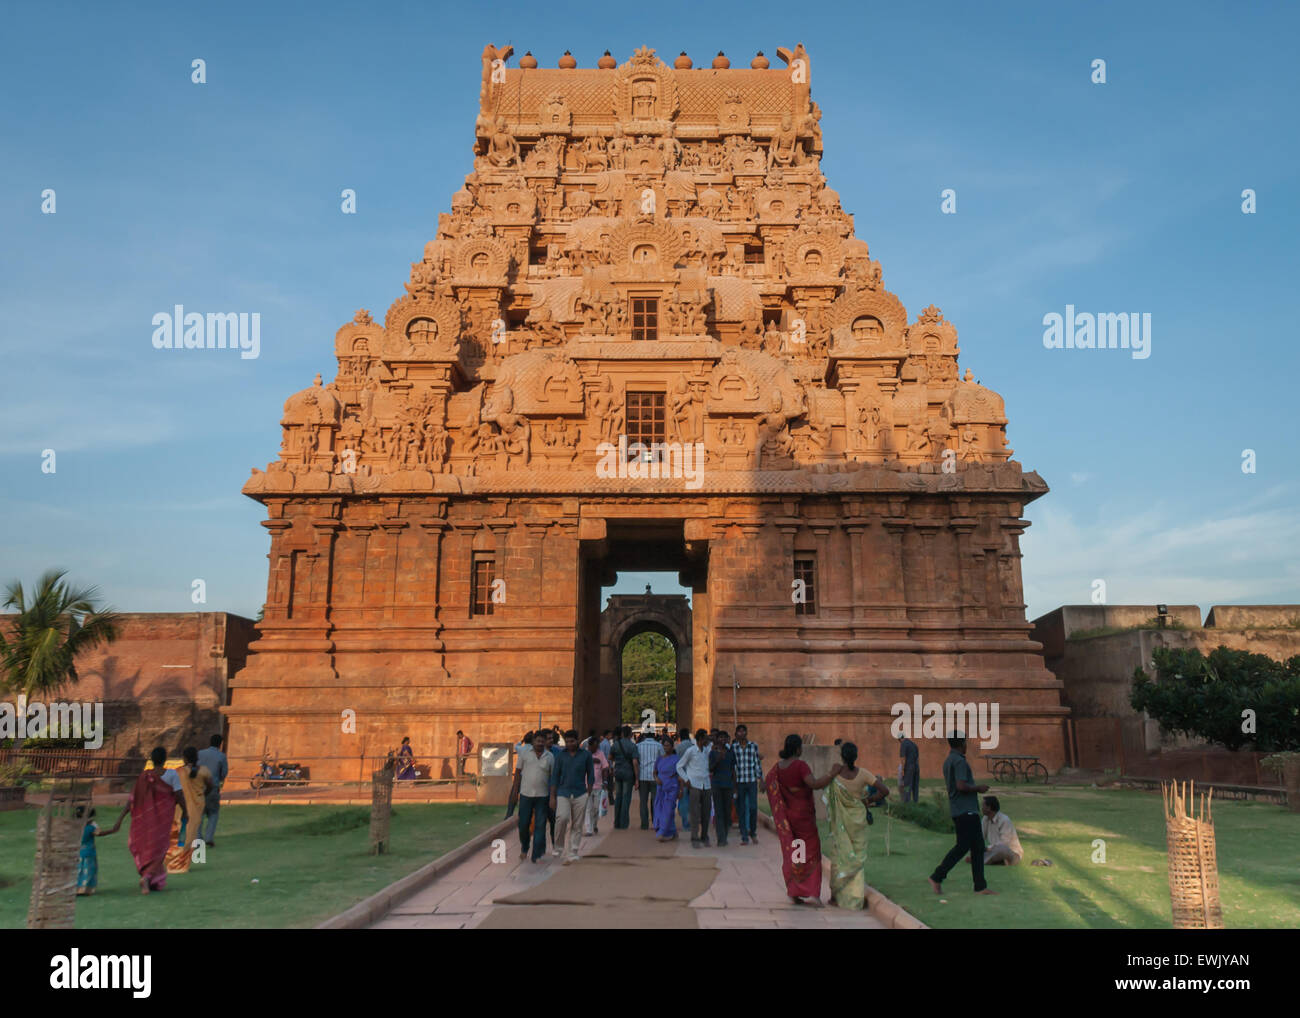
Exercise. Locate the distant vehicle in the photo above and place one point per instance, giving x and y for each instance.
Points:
(273, 772)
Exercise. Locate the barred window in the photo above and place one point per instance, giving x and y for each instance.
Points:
(481, 585)
(645, 318)
(645, 418)
(805, 570)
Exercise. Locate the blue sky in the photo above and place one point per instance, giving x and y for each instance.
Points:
(225, 196)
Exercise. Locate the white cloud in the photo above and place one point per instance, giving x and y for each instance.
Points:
(1157, 556)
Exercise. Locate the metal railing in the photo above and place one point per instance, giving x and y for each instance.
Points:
(263, 776)
(272, 776)
(70, 763)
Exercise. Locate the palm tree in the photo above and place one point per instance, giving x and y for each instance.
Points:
(39, 645)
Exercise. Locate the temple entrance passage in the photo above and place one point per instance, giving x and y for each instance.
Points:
(646, 650)
(639, 665)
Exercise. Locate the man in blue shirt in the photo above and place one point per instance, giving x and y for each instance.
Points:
(219, 767)
(625, 762)
(572, 778)
(964, 806)
(722, 776)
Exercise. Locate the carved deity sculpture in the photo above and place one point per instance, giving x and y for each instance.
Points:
(685, 410)
(503, 149)
(672, 150)
(786, 149)
(868, 426)
(548, 331)
(773, 430)
(616, 150)
(918, 438)
(434, 445)
(592, 156)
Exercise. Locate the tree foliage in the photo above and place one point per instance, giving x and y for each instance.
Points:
(1209, 697)
(649, 671)
(53, 624)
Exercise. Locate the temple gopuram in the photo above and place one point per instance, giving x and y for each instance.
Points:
(646, 268)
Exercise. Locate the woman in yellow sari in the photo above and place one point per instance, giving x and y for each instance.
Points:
(195, 783)
(847, 797)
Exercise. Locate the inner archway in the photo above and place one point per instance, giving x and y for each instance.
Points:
(647, 678)
(646, 657)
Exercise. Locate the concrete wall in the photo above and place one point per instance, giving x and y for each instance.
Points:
(1097, 671)
(1054, 628)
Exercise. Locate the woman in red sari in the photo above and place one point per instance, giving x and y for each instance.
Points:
(790, 786)
(152, 803)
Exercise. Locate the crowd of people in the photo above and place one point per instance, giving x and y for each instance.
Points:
(564, 785)
(172, 811)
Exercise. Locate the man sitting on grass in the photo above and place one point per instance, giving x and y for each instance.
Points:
(1001, 843)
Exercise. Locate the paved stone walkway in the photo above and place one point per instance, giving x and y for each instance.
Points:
(746, 891)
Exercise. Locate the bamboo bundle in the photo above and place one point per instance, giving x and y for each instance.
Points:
(381, 809)
(58, 848)
(1193, 861)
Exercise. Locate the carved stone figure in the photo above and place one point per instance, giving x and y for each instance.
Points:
(685, 411)
(786, 148)
(503, 149)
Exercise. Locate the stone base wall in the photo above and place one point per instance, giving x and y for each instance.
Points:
(164, 680)
(369, 633)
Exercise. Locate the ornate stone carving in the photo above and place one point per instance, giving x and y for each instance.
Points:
(555, 116)
(733, 113)
(502, 148)
(481, 261)
(422, 327)
(646, 93)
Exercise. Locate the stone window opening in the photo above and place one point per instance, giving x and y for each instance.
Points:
(867, 327)
(805, 569)
(645, 318)
(481, 580)
(422, 331)
(645, 423)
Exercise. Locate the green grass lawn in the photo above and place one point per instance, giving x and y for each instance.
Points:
(310, 863)
(1258, 853)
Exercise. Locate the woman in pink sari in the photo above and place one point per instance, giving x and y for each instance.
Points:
(790, 785)
(152, 804)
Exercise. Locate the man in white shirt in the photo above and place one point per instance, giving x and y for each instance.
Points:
(693, 769)
(533, 782)
(1001, 843)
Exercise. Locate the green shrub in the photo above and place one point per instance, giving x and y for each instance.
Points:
(931, 814)
(1207, 697)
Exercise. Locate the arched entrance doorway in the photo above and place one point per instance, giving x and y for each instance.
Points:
(627, 617)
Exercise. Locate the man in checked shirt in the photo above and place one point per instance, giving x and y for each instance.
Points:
(749, 774)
